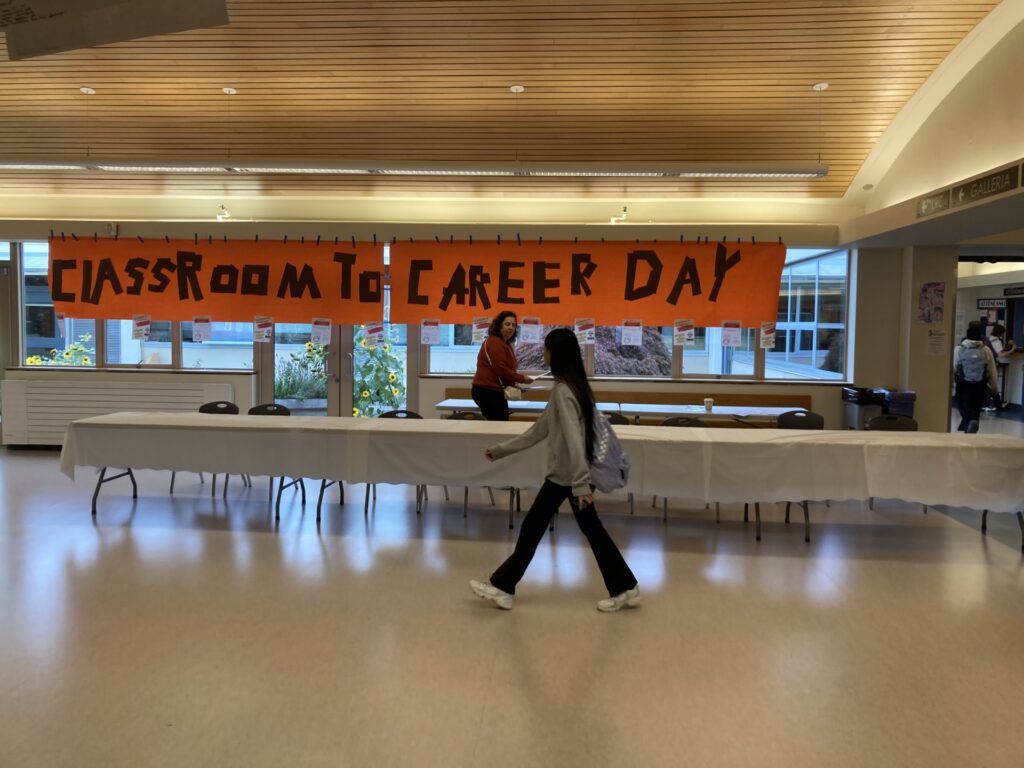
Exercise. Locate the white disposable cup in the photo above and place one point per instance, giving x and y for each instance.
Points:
(709, 402)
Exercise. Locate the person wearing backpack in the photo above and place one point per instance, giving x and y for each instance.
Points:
(568, 425)
(974, 373)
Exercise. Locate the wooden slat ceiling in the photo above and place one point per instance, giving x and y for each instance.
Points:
(428, 80)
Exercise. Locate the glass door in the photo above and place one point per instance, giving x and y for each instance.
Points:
(379, 371)
(308, 378)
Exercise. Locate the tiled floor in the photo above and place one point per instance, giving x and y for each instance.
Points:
(186, 631)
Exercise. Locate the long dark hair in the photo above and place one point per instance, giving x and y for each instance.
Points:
(567, 367)
(495, 329)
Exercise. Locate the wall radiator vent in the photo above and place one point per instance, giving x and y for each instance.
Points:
(37, 412)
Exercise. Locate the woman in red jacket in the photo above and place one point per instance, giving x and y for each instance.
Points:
(496, 367)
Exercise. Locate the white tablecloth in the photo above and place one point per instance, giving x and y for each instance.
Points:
(726, 465)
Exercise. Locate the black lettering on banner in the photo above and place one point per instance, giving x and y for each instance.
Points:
(255, 280)
(224, 279)
(105, 273)
(296, 283)
(86, 280)
(162, 281)
(722, 265)
(687, 276)
(189, 265)
(506, 282)
(456, 288)
(136, 269)
(582, 269)
(370, 287)
(347, 261)
(632, 292)
(478, 279)
(57, 279)
(417, 266)
(541, 282)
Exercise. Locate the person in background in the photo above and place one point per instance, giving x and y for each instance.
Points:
(568, 425)
(496, 367)
(974, 369)
(1001, 349)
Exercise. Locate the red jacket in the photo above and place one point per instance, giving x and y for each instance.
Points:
(501, 371)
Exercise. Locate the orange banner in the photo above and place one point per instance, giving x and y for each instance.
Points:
(230, 281)
(562, 281)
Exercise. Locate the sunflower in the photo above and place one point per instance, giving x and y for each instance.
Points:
(362, 342)
(392, 378)
(309, 345)
(387, 348)
(86, 361)
(395, 391)
(67, 353)
(364, 394)
(355, 411)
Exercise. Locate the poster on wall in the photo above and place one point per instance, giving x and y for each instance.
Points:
(320, 331)
(684, 333)
(202, 328)
(931, 303)
(586, 330)
(732, 333)
(936, 343)
(768, 335)
(529, 330)
(481, 326)
(632, 333)
(430, 332)
(262, 329)
(140, 327)
(375, 333)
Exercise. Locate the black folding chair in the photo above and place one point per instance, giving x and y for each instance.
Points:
(421, 490)
(276, 409)
(797, 420)
(215, 406)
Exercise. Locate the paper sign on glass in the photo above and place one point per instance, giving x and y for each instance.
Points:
(632, 333)
(529, 330)
(375, 334)
(140, 327)
(768, 335)
(731, 331)
(262, 329)
(586, 330)
(60, 323)
(683, 333)
(480, 327)
(430, 332)
(320, 330)
(201, 328)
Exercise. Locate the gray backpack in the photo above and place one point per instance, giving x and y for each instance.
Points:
(609, 469)
(971, 364)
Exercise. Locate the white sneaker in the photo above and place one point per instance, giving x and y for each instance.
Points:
(628, 599)
(490, 592)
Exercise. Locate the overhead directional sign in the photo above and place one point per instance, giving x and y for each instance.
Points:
(987, 185)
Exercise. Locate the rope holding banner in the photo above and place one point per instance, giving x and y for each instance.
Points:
(753, 240)
(286, 239)
(95, 237)
(519, 240)
(137, 237)
(63, 239)
(680, 237)
(451, 239)
(51, 234)
(318, 239)
(374, 238)
(167, 239)
(437, 239)
(540, 240)
(576, 240)
(394, 239)
(780, 239)
(257, 237)
(195, 238)
(225, 238)
(302, 240)
(499, 239)
(470, 239)
(209, 239)
(353, 241)
(74, 237)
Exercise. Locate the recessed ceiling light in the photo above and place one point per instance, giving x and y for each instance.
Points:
(87, 90)
(517, 88)
(868, 187)
(820, 86)
(227, 90)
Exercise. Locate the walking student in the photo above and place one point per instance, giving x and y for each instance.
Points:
(568, 425)
(974, 373)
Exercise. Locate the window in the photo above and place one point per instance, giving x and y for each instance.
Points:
(652, 359)
(122, 349)
(45, 341)
(228, 348)
(708, 357)
(810, 341)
